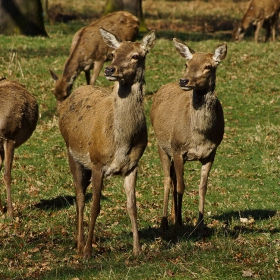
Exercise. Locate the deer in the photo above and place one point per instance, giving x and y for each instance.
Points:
(18, 120)
(188, 123)
(106, 133)
(89, 51)
(258, 14)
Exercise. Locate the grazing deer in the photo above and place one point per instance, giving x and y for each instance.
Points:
(259, 14)
(189, 125)
(89, 51)
(105, 132)
(18, 120)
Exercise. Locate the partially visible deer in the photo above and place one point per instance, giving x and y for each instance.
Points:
(105, 132)
(18, 120)
(89, 51)
(259, 14)
(188, 123)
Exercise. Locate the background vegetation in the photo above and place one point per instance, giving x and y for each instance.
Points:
(242, 237)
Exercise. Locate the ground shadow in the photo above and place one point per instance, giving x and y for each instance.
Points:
(60, 202)
(257, 214)
(175, 234)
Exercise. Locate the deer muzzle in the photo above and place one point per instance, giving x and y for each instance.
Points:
(109, 72)
(183, 83)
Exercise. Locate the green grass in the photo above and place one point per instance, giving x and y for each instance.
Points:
(244, 181)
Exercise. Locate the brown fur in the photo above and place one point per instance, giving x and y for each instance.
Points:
(89, 51)
(18, 119)
(105, 132)
(189, 125)
(259, 14)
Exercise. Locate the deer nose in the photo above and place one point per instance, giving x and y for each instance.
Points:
(183, 82)
(109, 71)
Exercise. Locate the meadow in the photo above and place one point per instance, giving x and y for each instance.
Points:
(242, 237)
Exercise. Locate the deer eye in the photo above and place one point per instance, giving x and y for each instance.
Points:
(135, 56)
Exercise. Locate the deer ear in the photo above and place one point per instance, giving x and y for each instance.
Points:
(53, 75)
(109, 38)
(183, 49)
(149, 41)
(220, 53)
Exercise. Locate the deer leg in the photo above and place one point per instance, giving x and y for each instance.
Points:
(205, 170)
(1, 162)
(268, 31)
(166, 165)
(81, 182)
(273, 28)
(87, 74)
(258, 28)
(179, 169)
(129, 186)
(97, 183)
(96, 70)
(9, 148)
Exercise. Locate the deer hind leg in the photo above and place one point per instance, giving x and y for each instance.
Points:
(205, 170)
(129, 186)
(9, 148)
(81, 178)
(97, 183)
(167, 181)
(97, 66)
(178, 195)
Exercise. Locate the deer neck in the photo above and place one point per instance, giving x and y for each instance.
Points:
(203, 109)
(128, 110)
(129, 124)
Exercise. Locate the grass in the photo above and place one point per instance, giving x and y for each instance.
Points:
(242, 237)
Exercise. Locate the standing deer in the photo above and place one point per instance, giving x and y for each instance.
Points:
(18, 120)
(105, 132)
(189, 125)
(259, 14)
(89, 51)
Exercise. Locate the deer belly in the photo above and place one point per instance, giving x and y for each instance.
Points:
(82, 158)
(199, 152)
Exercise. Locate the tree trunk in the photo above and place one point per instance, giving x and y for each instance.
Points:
(132, 6)
(22, 17)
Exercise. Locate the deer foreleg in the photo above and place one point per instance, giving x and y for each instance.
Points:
(166, 165)
(129, 186)
(258, 28)
(179, 169)
(205, 170)
(9, 148)
(96, 70)
(87, 74)
(97, 183)
(80, 187)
